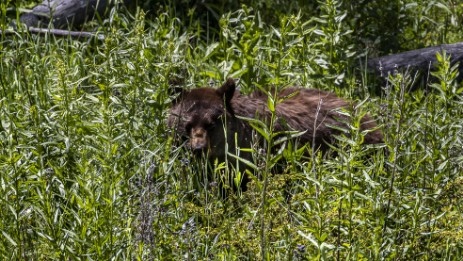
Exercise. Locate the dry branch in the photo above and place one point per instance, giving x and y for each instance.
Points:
(59, 32)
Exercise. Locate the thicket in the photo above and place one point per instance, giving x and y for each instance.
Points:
(89, 170)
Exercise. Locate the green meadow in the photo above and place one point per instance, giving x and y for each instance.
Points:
(90, 171)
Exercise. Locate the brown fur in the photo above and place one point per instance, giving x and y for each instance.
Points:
(203, 115)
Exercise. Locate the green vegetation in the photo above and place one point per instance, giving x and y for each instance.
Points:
(89, 170)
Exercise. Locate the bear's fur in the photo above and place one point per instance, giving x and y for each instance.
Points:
(206, 115)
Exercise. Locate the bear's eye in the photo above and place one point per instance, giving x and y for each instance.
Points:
(210, 126)
(188, 127)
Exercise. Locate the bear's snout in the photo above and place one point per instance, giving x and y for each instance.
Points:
(198, 139)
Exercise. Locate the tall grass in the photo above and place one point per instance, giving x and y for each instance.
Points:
(88, 169)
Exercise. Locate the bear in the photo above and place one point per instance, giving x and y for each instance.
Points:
(212, 120)
(209, 118)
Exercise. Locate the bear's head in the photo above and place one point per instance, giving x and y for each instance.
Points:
(199, 115)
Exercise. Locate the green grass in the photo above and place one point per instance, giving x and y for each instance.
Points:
(89, 170)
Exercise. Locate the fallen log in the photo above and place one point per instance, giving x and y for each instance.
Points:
(65, 14)
(416, 60)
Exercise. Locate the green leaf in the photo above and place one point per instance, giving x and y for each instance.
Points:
(9, 238)
(211, 49)
(271, 104)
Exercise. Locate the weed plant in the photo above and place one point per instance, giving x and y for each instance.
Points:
(89, 170)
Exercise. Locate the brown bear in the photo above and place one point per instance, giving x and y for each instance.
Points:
(208, 118)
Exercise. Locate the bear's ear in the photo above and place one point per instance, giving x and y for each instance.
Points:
(227, 90)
